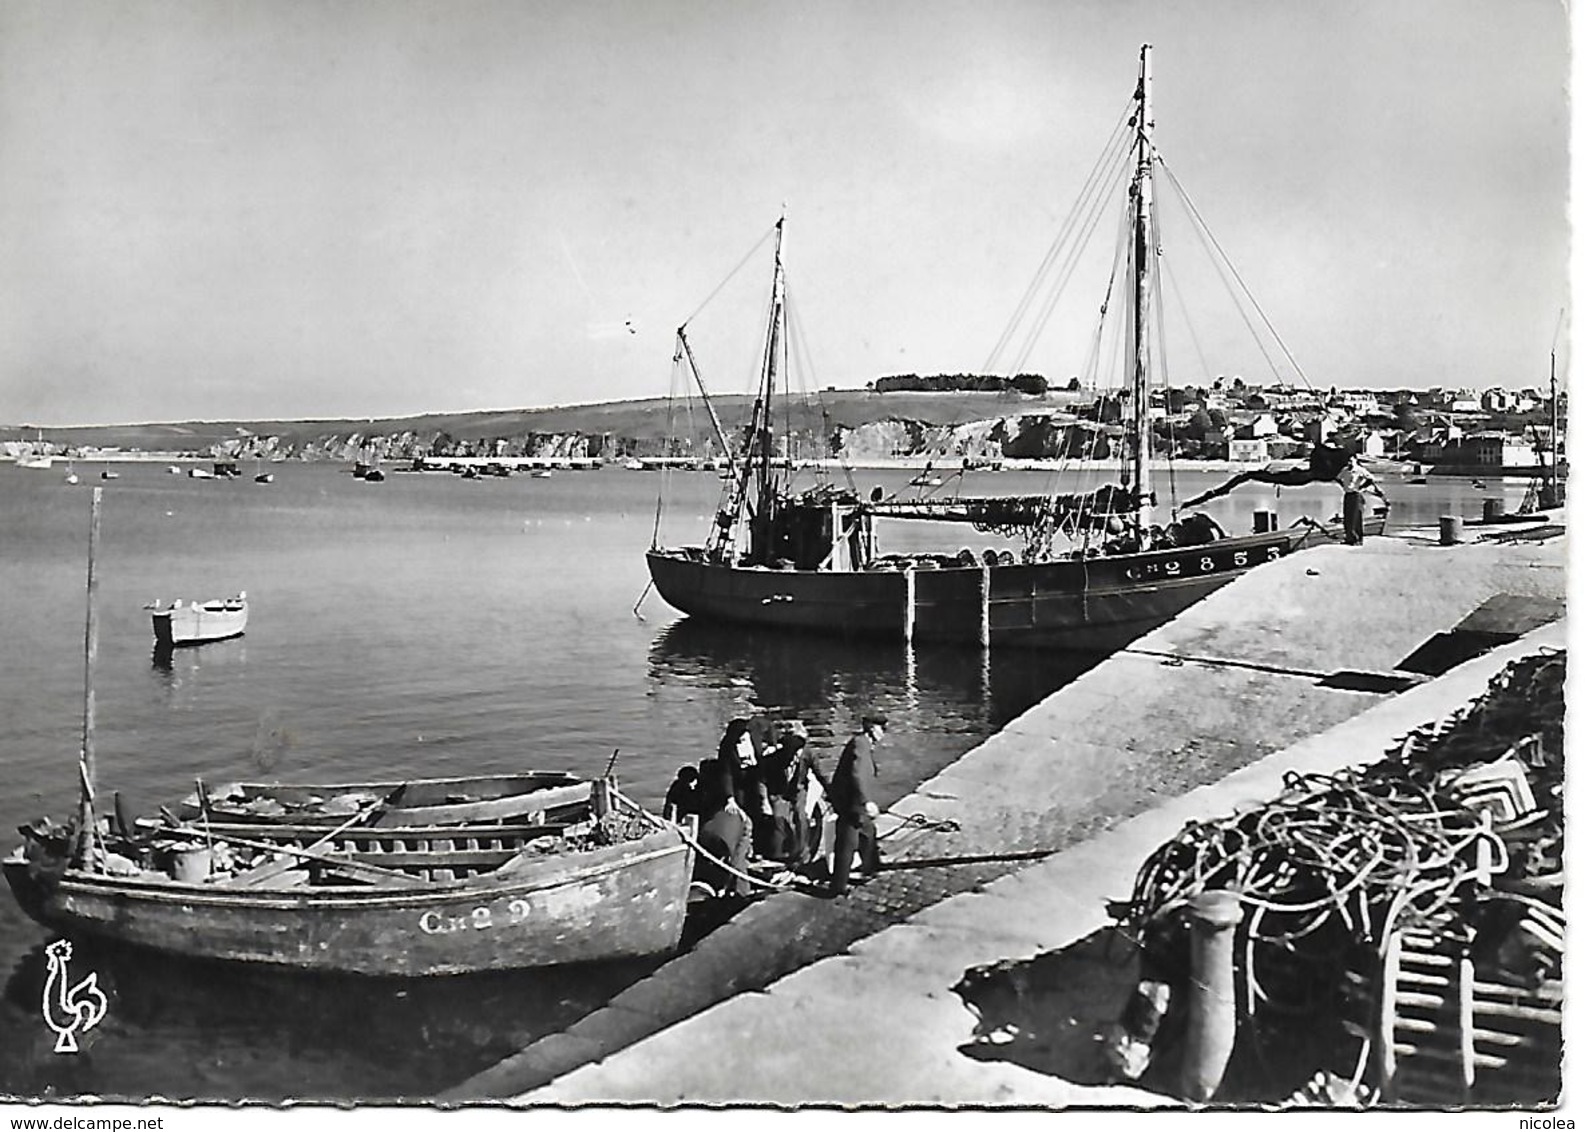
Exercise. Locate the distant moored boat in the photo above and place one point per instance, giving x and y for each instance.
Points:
(36, 455)
(193, 623)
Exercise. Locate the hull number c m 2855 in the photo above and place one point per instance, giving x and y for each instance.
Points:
(1191, 565)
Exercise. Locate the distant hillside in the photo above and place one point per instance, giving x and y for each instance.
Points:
(609, 429)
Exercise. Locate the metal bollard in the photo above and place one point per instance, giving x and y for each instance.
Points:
(1493, 509)
(1452, 529)
(1212, 1008)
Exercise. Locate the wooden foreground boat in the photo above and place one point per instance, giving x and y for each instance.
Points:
(194, 623)
(609, 881)
(603, 880)
(537, 796)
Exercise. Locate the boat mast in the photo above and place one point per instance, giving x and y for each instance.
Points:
(725, 540)
(766, 494)
(686, 350)
(1143, 250)
(86, 830)
(774, 345)
(1551, 494)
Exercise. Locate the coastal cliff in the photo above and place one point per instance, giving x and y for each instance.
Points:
(1031, 436)
(856, 426)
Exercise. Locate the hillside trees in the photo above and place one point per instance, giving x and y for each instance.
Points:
(1029, 383)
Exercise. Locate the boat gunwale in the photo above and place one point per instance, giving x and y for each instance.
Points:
(350, 897)
(224, 790)
(272, 831)
(1292, 536)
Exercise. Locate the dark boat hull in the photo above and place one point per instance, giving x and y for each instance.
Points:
(625, 901)
(1085, 604)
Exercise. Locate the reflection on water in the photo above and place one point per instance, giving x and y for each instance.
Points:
(794, 673)
(176, 666)
(172, 1026)
(941, 700)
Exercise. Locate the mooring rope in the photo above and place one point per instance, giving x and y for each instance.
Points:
(920, 822)
(774, 886)
(910, 821)
(648, 585)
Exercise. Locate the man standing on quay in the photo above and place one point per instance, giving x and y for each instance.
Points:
(853, 799)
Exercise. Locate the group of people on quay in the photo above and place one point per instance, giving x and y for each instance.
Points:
(764, 799)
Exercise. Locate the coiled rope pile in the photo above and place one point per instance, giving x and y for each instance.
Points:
(1336, 860)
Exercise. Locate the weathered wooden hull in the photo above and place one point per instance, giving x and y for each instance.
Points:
(625, 901)
(428, 801)
(199, 623)
(1090, 604)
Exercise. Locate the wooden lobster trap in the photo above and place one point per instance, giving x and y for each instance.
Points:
(1445, 1037)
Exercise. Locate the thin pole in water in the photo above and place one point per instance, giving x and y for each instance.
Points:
(86, 770)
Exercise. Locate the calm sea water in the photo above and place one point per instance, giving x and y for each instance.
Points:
(427, 625)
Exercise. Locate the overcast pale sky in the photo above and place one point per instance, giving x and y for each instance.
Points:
(249, 209)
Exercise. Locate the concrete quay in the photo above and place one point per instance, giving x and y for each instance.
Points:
(1005, 860)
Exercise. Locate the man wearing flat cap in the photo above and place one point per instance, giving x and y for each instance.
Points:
(853, 800)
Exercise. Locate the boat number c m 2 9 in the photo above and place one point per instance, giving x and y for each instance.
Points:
(1188, 565)
(480, 919)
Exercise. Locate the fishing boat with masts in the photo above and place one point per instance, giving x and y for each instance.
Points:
(1093, 570)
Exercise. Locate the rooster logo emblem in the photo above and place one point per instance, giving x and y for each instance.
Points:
(68, 1007)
